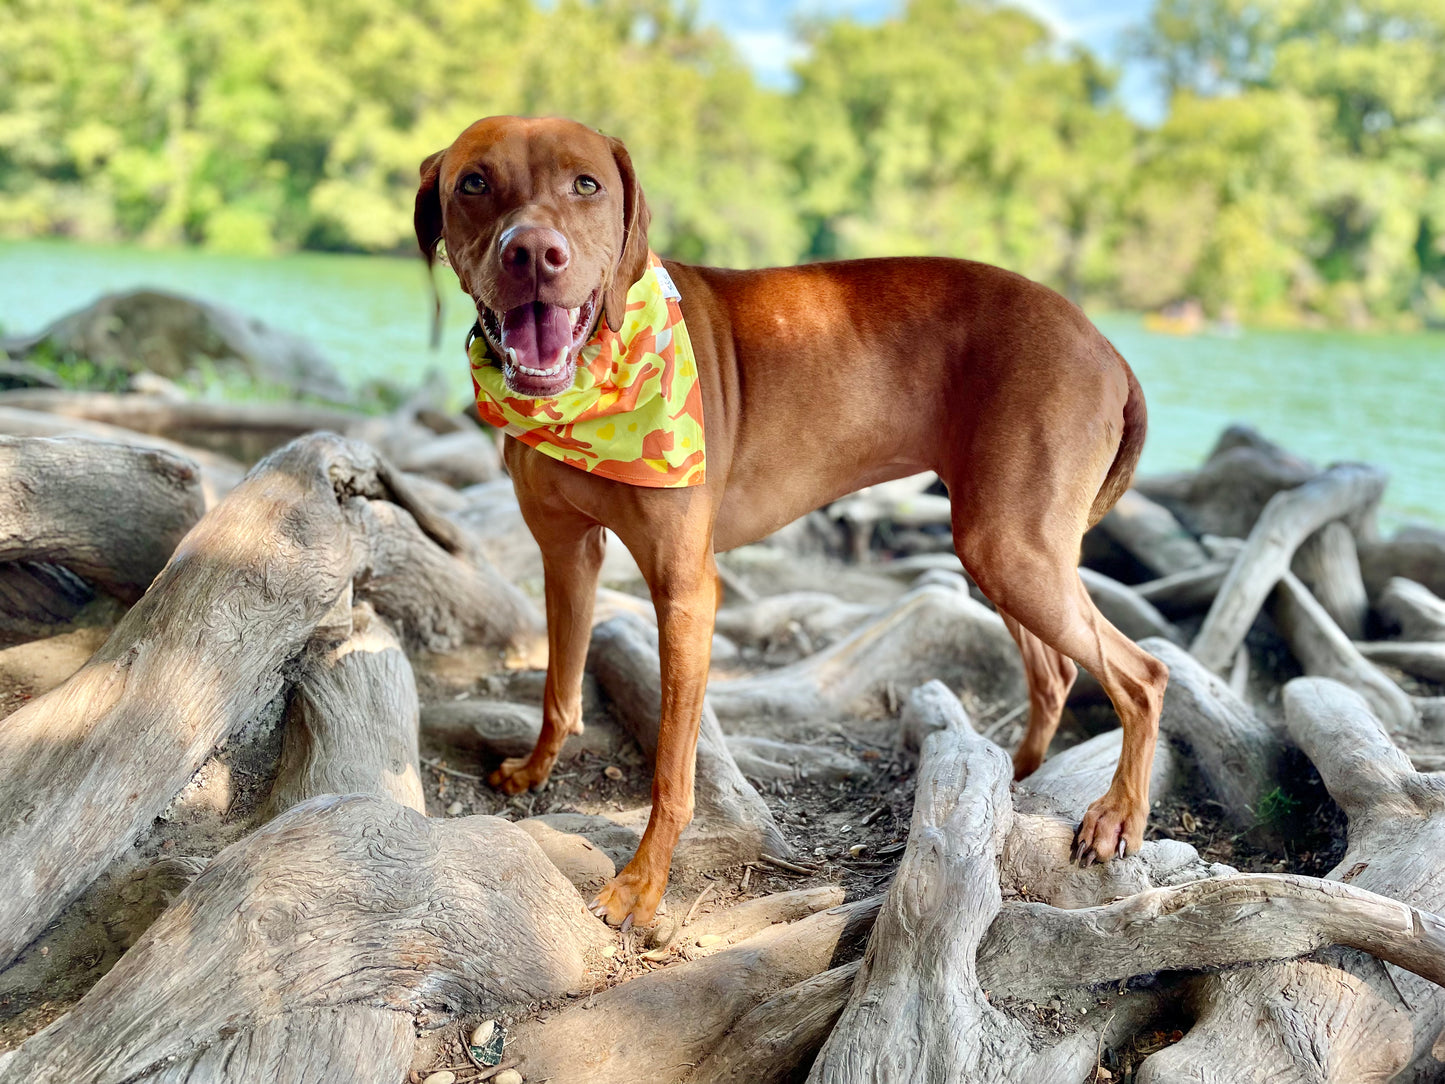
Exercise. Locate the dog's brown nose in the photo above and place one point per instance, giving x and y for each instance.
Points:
(534, 252)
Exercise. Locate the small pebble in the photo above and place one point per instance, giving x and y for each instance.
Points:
(708, 940)
(454, 809)
(612, 771)
(483, 1032)
(446, 1076)
(507, 1076)
(857, 849)
(609, 951)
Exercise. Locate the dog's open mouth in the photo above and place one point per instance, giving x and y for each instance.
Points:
(538, 344)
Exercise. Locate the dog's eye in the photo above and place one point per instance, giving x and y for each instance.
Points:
(474, 184)
(585, 186)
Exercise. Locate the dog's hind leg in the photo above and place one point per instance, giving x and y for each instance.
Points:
(1043, 592)
(1018, 520)
(1050, 677)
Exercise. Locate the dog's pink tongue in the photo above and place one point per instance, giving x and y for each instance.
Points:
(537, 332)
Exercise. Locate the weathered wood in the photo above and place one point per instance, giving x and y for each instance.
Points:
(219, 474)
(767, 759)
(505, 728)
(1207, 924)
(420, 573)
(1185, 592)
(1338, 1016)
(743, 920)
(732, 824)
(1328, 564)
(583, 863)
(1347, 490)
(789, 626)
(1414, 553)
(1236, 754)
(204, 650)
(1036, 864)
(1412, 611)
(1424, 659)
(1152, 535)
(1325, 651)
(654, 1027)
(462, 458)
(110, 513)
(242, 431)
(348, 901)
(1229, 492)
(917, 1011)
(931, 632)
(781, 1036)
(351, 726)
(355, 1043)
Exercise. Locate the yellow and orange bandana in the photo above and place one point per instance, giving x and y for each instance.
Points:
(634, 412)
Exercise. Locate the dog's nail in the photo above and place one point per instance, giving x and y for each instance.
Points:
(1121, 848)
(627, 923)
(1089, 858)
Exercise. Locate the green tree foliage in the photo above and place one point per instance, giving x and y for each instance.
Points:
(1298, 173)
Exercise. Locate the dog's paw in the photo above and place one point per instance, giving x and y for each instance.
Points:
(629, 899)
(1113, 826)
(518, 774)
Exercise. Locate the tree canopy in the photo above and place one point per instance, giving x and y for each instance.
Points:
(1299, 173)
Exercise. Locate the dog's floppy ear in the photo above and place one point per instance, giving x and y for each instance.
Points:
(427, 219)
(632, 263)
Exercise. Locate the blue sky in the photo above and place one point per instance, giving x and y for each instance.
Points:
(763, 32)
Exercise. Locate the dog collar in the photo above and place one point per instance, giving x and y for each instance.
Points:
(634, 412)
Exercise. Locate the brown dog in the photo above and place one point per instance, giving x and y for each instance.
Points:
(816, 381)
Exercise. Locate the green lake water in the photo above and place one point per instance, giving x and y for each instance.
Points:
(1325, 395)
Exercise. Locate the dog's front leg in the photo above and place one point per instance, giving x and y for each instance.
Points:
(572, 552)
(683, 582)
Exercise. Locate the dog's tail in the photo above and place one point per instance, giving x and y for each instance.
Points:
(1131, 445)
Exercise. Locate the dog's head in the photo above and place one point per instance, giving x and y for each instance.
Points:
(546, 228)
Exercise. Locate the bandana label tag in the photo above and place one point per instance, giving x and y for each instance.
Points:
(669, 288)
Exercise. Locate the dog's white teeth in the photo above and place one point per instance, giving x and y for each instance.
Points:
(553, 371)
(512, 357)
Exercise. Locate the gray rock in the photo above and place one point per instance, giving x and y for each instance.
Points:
(170, 335)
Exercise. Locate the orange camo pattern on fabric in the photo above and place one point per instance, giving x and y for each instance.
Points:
(634, 412)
